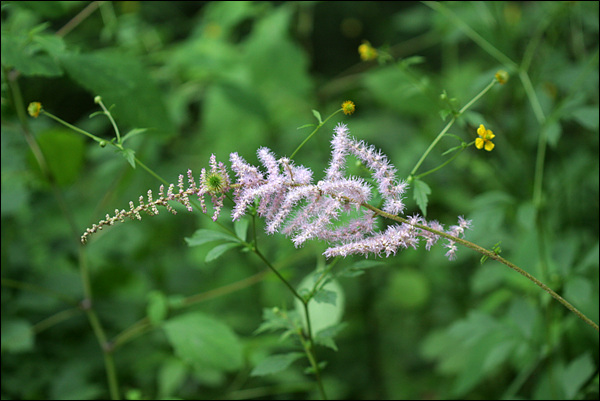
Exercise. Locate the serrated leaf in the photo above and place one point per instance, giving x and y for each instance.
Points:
(202, 339)
(322, 314)
(202, 236)
(421, 192)
(325, 296)
(129, 155)
(325, 336)
(124, 81)
(219, 250)
(50, 43)
(20, 52)
(317, 116)
(241, 228)
(275, 363)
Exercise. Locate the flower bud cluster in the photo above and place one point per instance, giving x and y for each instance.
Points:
(214, 183)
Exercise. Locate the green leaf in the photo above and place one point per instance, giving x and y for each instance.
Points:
(64, 152)
(553, 133)
(19, 52)
(421, 192)
(275, 363)
(241, 228)
(325, 336)
(576, 374)
(123, 81)
(49, 43)
(129, 155)
(587, 117)
(358, 268)
(273, 320)
(306, 126)
(171, 376)
(158, 307)
(325, 296)
(219, 250)
(17, 336)
(201, 339)
(132, 133)
(322, 314)
(202, 236)
(413, 60)
(244, 98)
(445, 113)
(317, 116)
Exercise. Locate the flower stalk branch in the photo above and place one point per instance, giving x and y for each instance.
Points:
(491, 255)
(411, 176)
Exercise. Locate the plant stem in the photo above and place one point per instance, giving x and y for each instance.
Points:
(433, 170)
(86, 303)
(310, 347)
(110, 117)
(313, 133)
(74, 128)
(491, 255)
(411, 176)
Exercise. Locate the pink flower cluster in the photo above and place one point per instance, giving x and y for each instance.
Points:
(292, 204)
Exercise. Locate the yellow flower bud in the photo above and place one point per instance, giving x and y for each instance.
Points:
(348, 107)
(34, 109)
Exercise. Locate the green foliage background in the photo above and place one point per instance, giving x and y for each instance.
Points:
(222, 77)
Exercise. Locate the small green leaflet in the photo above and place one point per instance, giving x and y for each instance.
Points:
(132, 133)
(203, 236)
(317, 116)
(421, 192)
(241, 228)
(325, 296)
(129, 155)
(219, 250)
(275, 363)
(201, 339)
(325, 336)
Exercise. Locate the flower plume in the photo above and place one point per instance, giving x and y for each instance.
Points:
(334, 209)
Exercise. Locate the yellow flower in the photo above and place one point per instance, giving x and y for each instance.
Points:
(501, 76)
(367, 52)
(348, 107)
(34, 109)
(485, 138)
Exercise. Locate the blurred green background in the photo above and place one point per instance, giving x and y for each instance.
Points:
(222, 77)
